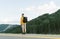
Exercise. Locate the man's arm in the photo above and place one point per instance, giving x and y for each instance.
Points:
(21, 20)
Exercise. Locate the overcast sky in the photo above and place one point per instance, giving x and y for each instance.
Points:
(11, 10)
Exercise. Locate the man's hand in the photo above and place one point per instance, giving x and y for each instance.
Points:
(21, 24)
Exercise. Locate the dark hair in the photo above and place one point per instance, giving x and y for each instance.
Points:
(22, 13)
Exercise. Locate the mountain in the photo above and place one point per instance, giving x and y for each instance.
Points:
(16, 29)
(4, 27)
(44, 24)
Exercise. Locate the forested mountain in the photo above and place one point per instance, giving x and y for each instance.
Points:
(5, 27)
(45, 24)
(2, 27)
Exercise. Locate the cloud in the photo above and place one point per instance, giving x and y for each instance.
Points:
(8, 21)
(35, 11)
(48, 8)
(31, 8)
(45, 8)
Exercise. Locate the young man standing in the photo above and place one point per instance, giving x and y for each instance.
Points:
(23, 24)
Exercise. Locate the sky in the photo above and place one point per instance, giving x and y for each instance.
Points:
(11, 10)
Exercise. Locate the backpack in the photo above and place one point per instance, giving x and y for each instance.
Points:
(24, 19)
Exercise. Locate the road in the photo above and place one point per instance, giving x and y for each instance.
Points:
(28, 36)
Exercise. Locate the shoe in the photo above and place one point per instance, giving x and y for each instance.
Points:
(23, 33)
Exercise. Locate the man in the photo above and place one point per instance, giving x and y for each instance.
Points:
(23, 24)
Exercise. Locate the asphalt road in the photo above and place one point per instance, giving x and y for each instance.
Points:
(28, 36)
(10, 37)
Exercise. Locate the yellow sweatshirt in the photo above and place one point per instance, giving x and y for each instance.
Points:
(21, 21)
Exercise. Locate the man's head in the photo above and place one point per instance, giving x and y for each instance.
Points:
(22, 14)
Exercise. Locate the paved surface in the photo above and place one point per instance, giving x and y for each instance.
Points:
(28, 36)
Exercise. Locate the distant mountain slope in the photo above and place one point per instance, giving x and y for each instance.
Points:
(4, 27)
(45, 24)
(14, 29)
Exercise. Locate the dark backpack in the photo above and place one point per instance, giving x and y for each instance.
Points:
(24, 19)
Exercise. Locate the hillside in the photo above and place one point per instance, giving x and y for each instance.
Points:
(4, 27)
(16, 29)
(45, 24)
